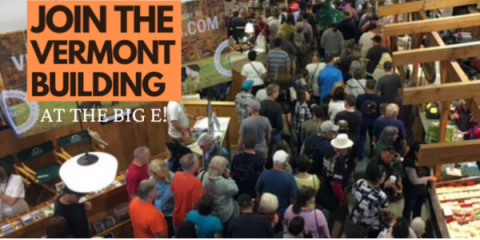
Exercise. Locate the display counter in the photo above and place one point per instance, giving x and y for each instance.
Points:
(238, 59)
(455, 208)
(108, 216)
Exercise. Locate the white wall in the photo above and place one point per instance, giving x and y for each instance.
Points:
(13, 15)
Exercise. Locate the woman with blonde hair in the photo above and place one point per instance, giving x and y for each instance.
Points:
(268, 208)
(221, 188)
(164, 201)
(314, 68)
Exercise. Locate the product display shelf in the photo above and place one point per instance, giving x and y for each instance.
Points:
(459, 215)
(32, 224)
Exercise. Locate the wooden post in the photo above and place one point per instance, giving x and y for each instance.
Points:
(416, 40)
(444, 117)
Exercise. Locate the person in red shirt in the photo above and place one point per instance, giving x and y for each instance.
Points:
(147, 220)
(187, 189)
(137, 171)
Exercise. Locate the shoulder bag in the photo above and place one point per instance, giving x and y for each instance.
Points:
(266, 80)
(359, 83)
(325, 196)
(315, 209)
(312, 83)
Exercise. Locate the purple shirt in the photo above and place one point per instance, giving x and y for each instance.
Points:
(310, 223)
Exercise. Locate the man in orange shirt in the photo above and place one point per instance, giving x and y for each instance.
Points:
(147, 221)
(187, 189)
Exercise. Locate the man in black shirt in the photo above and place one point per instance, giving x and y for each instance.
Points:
(347, 27)
(318, 147)
(68, 206)
(272, 110)
(390, 85)
(374, 55)
(246, 167)
(249, 224)
(352, 116)
(237, 23)
(369, 106)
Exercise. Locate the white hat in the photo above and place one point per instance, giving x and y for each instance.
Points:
(418, 226)
(342, 141)
(280, 156)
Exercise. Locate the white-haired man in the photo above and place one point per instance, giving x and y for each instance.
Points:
(278, 182)
(210, 149)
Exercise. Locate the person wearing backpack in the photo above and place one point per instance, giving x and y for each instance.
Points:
(369, 106)
(318, 147)
(300, 42)
(246, 167)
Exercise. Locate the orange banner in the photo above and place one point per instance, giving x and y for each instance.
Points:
(104, 51)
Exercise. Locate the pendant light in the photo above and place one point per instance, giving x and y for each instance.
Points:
(89, 171)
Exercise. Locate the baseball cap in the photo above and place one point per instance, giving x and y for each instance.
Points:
(247, 85)
(328, 126)
(377, 39)
(280, 156)
(244, 201)
(294, 6)
(254, 105)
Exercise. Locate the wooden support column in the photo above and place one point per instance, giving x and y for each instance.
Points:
(444, 117)
(416, 40)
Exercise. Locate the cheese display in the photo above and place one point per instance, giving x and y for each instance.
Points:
(460, 202)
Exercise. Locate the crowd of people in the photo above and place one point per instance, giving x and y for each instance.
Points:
(326, 98)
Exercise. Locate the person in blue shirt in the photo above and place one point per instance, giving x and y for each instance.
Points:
(329, 78)
(164, 201)
(208, 226)
(278, 182)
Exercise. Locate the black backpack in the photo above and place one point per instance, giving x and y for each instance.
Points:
(310, 153)
(245, 177)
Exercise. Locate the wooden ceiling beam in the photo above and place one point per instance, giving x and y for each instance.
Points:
(418, 6)
(433, 154)
(443, 92)
(433, 25)
(441, 53)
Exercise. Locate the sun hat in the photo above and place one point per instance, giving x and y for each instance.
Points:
(342, 141)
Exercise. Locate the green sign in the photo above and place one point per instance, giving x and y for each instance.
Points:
(73, 139)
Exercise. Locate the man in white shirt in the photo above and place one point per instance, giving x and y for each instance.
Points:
(178, 123)
(255, 71)
(365, 41)
(12, 194)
